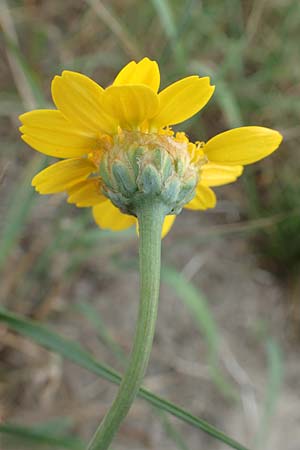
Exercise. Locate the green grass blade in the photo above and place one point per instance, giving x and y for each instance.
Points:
(31, 96)
(75, 353)
(94, 318)
(171, 431)
(224, 95)
(166, 17)
(37, 97)
(275, 375)
(31, 436)
(21, 202)
(102, 331)
(201, 314)
(61, 425)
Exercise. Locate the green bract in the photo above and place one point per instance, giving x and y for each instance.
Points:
(140, 165)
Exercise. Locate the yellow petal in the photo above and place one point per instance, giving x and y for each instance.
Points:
(130, 104)
(167, 225)
(181, 100)
(109, 217)
(216, 174)
(205, 198)
(86, 193)
(144, 72)
(49, 132)
(243, 145)
(59, 176)
(80, 99)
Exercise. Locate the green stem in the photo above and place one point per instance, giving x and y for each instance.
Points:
(150, 217)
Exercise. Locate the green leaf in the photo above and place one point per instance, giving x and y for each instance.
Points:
(74, 352)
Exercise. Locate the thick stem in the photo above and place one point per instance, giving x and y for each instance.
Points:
(150, 217)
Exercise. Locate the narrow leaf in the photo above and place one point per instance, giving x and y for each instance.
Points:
(93, 317)
(32, 436)
(75, 353)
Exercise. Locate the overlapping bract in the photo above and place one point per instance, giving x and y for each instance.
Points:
(87, 116)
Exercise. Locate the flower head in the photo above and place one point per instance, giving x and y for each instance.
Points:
(117, 145)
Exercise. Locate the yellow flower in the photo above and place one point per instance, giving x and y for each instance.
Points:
(89, 120)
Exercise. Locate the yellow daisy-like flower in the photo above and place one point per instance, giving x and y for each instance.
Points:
(91, 124)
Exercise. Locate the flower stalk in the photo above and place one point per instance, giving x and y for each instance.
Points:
(150, 214)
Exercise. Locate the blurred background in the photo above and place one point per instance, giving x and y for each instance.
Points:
(228, 332)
